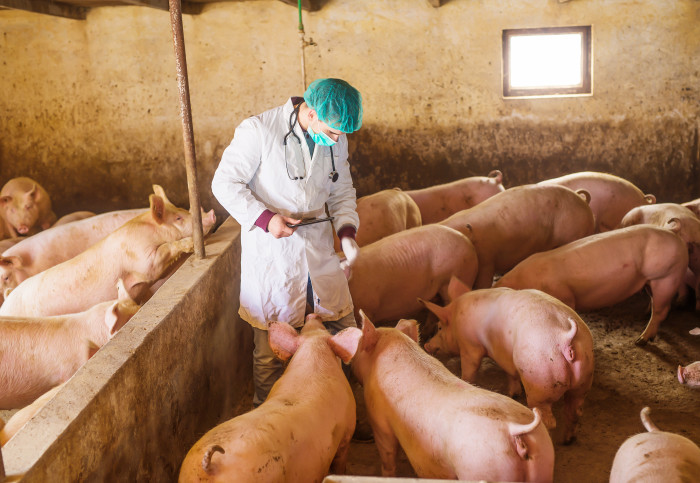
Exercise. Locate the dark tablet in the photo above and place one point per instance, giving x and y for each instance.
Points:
(310, 222)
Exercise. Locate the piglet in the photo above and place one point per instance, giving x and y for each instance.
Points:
(655, 456)
(690, 374)
(138, 253)
(302, 429)
(448, 428)
(25, 208)
(441, 201)
(39, 353)
(611, 196)
(532, 336)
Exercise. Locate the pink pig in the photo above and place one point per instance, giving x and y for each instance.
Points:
(604, 269)
(302, 429)
(75, 216)
(138, 253)
(42, 352)
(447, 428)
(532, 336)
(389, 275)
(611, 196)
(655, 456)
(20, 418)
(382, 214)
(44, 250)
(520, 221)
(25, 208)
(690, 374)
(438, 202)
(693, 206)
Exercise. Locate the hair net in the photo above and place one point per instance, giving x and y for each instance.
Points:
(336, 102)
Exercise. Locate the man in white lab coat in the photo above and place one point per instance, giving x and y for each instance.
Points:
(284, 166)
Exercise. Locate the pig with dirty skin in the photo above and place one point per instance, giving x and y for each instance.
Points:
(138, 252)
(302, 430)
(533, 337)
(448, 428)
(508, 227)
(25, 208)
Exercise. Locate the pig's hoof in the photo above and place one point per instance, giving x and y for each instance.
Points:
(641, 341)
(569, 440)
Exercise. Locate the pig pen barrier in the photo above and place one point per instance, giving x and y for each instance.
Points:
(180, 366)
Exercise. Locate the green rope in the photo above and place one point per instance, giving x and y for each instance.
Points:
(301, 24)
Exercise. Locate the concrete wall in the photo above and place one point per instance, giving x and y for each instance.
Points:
(180, 366)
(90, 108)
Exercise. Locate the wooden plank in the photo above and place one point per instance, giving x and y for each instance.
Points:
(56, 9)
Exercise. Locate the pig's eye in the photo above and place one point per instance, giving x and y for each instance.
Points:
(178, 218)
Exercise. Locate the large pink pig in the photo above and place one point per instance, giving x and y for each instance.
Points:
(689, 232)
(611, 196)
(520, 221)
(25, 208)
(532, 336)
(383, 214)
(656, 456)
(438, 202)
(606, 268)
(302, 429)
(447, 428)
(690, 374)
(75, 216)
(138, 253)
(390, 274)
(44, 250)
(39, 353)
(693, 206)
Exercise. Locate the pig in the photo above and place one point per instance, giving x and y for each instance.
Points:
(44, 250)
(75, 216)
(138, 252)
(611, 196)
(382, 214)
(42, 352)
(448, 428)
(389, 275)
(441, 201)
(606, 268)
(693, 206)
(689, 232)
(20, 418)
(690, 374)
(508, 227)
(655, 456)
(10, 242)
(532, 336)
(303, 428)
(25, 208)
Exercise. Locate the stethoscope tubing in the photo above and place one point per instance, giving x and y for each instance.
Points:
(333, 175)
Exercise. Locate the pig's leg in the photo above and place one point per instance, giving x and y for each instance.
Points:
(484, 278)
(662, 293)
(387, 445)
(573, 409)
(514, 386)
(341, 455)
(470, 358)
(544, 404)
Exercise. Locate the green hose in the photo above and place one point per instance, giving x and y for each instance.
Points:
(301, 24)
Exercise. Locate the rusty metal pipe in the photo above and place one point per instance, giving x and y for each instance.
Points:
(187, 131)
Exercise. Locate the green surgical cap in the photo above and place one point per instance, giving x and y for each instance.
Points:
(337, 103)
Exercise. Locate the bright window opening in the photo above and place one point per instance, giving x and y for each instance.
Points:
(547, 62)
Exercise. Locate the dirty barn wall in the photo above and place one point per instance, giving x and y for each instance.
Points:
(90, 108)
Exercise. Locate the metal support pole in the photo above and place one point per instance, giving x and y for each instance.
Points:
(187, 132)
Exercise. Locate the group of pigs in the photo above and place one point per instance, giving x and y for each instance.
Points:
(580, 242)
(70, 284)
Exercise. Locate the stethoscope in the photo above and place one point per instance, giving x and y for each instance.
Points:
(333, 175)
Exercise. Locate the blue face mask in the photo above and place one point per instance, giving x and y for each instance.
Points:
(320, 138)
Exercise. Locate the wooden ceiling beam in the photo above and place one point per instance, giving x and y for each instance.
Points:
(56, 9)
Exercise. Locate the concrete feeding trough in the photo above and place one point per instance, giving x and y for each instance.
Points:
(180, 366)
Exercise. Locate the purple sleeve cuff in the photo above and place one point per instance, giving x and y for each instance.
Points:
(347, 231)
(264, 219)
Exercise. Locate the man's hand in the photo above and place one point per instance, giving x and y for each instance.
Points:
(278, 226)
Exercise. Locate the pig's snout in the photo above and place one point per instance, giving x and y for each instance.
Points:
(681, 375)
(431, 348)
(23, 229)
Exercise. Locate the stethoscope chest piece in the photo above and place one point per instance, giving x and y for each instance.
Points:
(333, 176)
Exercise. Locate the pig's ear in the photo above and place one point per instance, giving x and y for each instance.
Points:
(34, 192)
(585, 195)
(344, 343)
(122, 292)
(369, 333)
(91, 348)
(11, 261)
(283, 339)
(158, 190)
(112, 318)
(7, 291)
(408, 327)
(440, 312)
(456, 288)
(497, 176)
(157, 208)
(673, 224)
(650, 199)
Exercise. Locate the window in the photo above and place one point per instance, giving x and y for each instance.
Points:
(552, 61)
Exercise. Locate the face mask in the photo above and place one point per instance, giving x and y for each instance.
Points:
(320, 138)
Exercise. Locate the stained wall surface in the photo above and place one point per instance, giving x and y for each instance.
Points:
(91, 108)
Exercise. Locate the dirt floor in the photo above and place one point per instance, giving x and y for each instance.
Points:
(626, 379)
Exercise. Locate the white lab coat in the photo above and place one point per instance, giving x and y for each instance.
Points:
(252, 177)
